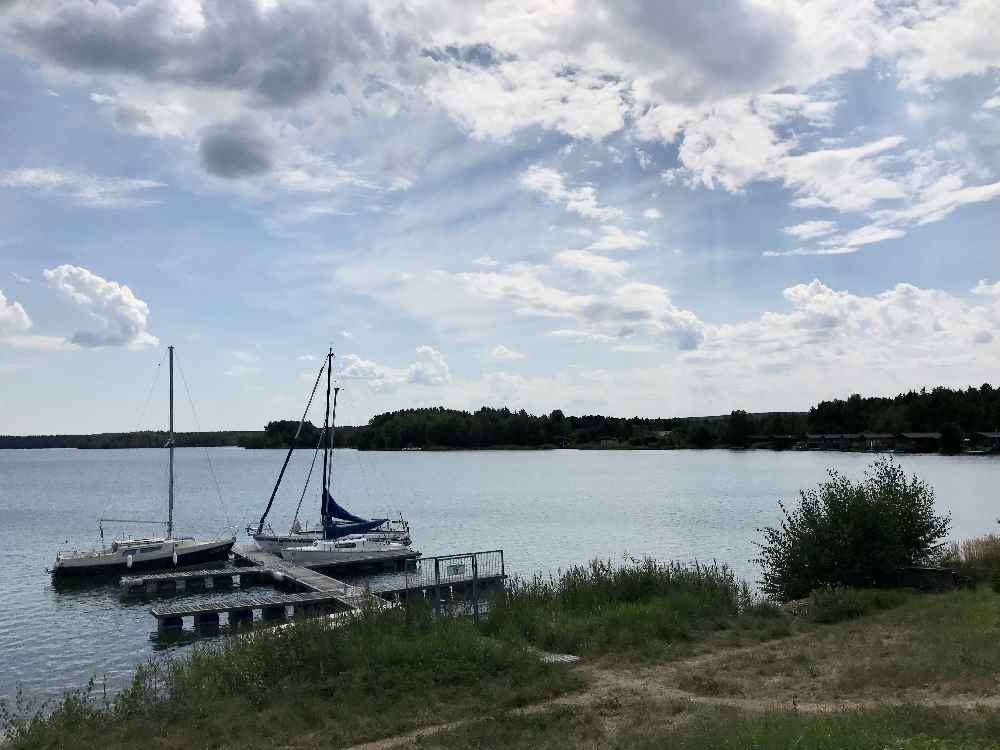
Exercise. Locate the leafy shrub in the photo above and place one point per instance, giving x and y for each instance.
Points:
(846, 533)
(838, 603)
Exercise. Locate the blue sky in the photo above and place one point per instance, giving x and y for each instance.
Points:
(628, 208)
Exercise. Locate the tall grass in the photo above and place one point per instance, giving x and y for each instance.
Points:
(382, 673)
(978, 556)
(601, 607)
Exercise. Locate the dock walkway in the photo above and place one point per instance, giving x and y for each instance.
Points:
(440, 578)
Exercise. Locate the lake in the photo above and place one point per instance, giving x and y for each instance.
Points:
(546, 509)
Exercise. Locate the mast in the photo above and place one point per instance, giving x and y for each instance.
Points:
(326, 441)
(170, 445)
(333, 442)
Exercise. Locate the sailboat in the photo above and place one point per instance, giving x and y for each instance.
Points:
(145, 553)
(337, 521)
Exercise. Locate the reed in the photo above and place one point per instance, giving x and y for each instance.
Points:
(639, 606)
(980, 553)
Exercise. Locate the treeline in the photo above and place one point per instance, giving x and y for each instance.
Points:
(141, 439)
(972, 410)
(952, 412)
(280, 433)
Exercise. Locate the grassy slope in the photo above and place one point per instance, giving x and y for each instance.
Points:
(675, 656)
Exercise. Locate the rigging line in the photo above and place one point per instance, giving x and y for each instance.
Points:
(116, 484)
(308, 477)
(274, 492)
(197, 423)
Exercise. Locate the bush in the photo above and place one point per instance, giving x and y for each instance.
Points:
(848, 533)
(839, 603)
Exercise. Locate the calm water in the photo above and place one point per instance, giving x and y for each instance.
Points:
(545, 509)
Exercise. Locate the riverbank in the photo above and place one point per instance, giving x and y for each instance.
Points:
(679, 655)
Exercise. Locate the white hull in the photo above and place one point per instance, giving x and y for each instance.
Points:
(317, 558)
(278, 543)
(349, 549)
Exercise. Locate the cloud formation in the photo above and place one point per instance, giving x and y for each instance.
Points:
(13, 318)
(121, 317)
(87, 190)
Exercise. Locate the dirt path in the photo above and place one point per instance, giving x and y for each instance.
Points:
(659, 683)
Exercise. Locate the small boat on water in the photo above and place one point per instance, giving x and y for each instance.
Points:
(336, 521)
(145, 553)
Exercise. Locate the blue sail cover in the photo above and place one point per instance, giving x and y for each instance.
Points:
(333, 509)
(334, 530)
(338, 521)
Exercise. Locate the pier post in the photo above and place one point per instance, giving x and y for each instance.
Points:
(206, 619)
(170, 623)
(209, 582)
(437, 587)
(273, 613)
(475, 588)
(240, 617)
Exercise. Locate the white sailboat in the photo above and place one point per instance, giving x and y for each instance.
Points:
(145, 553)
(337, 521)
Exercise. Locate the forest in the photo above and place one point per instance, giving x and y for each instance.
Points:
(955, 413)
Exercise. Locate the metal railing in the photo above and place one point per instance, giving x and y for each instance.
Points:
(465, 574)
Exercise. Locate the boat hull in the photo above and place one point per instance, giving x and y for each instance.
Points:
(109, 564)
(278, 543)
(323, 558)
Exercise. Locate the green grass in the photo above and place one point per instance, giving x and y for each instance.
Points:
(652, 725)
(643, 608)
(839, 603)
(384, 673)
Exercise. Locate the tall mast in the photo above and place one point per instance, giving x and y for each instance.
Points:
(326, 433)
(170, 445)
(333, 441)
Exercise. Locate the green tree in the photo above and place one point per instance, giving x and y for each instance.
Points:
(846, 533)
(738, 429)
(952, 438)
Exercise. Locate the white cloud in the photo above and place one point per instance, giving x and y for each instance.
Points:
(808, 230)
(494, 101)
(634, 348)
(247, 358)
(20, 278)
(86, 190)
(594, 265)
(621, 312)
(121, 317)
(13, 318)
(946, 41)
(307, 358)
(503, 353)
(614, 238)
(582, 200)
(347, 334)
(430, 369)
(652, 213)
(486, 260)
(844, 179)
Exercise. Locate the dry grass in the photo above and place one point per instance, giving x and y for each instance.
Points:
(943, 644)
(979, 556)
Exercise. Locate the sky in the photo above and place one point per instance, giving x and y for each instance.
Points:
(624, 207)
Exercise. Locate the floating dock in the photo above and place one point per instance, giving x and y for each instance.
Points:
(315, 593)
